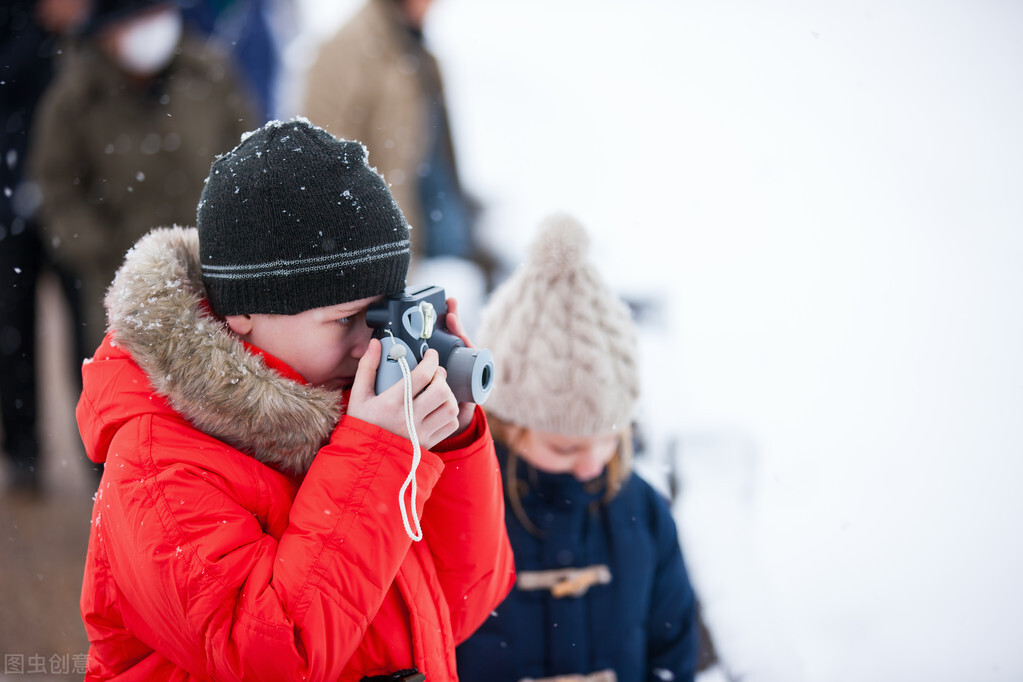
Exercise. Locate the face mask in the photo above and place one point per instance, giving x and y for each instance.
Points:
(149, 43)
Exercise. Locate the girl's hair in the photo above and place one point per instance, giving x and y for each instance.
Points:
(511, 435)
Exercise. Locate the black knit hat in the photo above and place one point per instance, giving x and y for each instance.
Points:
(293, 219)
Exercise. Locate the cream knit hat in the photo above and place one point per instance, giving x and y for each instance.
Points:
(563, 343)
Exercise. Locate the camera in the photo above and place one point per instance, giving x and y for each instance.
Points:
(414, 319)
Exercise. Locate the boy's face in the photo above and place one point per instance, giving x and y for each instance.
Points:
(323, 344)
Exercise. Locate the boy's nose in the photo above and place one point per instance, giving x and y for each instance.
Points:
(361, 343)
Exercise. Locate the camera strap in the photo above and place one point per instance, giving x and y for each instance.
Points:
(397, 353)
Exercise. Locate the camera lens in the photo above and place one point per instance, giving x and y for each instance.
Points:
(470, 373)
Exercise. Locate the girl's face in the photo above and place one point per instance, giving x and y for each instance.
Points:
(324, 345)
(582, 456)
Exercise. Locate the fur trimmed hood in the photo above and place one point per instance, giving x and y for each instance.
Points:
(157, 311)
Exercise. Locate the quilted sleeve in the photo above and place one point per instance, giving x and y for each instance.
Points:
(464, 524)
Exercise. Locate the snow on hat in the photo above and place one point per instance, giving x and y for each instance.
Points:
(563, 342)
(293, 219)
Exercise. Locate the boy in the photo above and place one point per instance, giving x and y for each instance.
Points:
(247, 523)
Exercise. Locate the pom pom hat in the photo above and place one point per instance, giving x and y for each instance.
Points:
(563, 343)
(294, 219)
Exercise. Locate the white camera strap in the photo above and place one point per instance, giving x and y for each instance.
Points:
(397, 353)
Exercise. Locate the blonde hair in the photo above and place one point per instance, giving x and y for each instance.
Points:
(511, 435)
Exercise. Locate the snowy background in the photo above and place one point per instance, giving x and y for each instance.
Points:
(821, 207)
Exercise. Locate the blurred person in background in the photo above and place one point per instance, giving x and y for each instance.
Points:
(375, 81)
(601, 591)
(125, 136)
(251, 32)
(31, 32)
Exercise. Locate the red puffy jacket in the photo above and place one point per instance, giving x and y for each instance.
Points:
(239, 534)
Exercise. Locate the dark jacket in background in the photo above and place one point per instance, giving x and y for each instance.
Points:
(642, 624)
(26, 52)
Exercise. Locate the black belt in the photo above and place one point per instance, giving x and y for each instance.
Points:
(409, 675)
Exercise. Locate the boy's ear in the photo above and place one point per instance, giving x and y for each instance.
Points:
(239, 324)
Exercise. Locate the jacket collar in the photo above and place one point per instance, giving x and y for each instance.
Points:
(157, 311)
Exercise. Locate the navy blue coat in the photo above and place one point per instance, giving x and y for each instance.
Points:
(642, 623)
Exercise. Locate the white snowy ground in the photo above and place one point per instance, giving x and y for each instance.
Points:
(824, 202)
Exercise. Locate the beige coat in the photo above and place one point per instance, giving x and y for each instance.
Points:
(113, 160)
(372, 82)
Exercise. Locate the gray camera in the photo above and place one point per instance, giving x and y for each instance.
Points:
(414, 319)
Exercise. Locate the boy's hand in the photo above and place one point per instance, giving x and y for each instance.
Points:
(435, 412)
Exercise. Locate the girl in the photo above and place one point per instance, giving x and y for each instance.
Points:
(602, 592)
